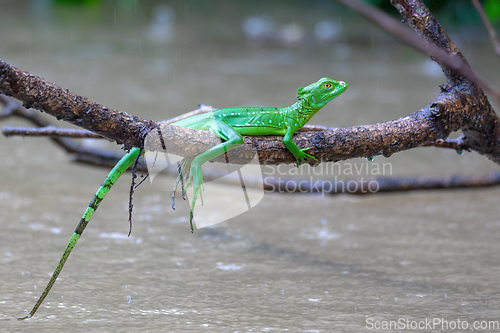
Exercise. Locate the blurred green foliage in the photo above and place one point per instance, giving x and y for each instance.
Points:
(453, 11)
(492, 9)
(78, 2)
(457, 12)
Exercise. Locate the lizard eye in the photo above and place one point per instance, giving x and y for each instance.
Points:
(327, 85)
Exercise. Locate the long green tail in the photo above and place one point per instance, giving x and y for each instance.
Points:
(122, 166)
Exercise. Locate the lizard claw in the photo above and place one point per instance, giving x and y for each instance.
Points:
(189, 169)
(196, 179)
(302, 156)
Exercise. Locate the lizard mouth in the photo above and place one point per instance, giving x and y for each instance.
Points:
(339, 89)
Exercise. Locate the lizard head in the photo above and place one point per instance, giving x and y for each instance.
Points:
(318, 94)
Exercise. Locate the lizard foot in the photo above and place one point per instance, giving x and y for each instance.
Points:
(183, 168)
(195, 178)
(302, 156)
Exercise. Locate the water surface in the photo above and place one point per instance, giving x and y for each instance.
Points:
(308, 263)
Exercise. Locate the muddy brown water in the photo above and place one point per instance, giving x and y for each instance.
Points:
(310, 263)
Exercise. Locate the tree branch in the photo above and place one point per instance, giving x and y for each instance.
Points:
(481, 128)
(37, 93)
(51, 131)
(479, 122)
(439, 46)
(461, 105)
(13, 108)
(364, 186)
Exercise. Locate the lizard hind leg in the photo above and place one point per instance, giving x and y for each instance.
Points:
(231, 139)
(183, 169)
(191, 167)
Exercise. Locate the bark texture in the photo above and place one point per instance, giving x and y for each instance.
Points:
(461, 105)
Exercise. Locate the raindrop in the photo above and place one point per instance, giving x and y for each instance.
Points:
(370, 158)
(129, 298)
(460, 152)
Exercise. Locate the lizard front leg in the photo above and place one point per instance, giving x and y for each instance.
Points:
(299, 154)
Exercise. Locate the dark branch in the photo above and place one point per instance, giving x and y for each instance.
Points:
(39, 94)
(461, 105)
(435, 43)
(49, 131)
(458, 144)
(13, 108)
(480, 124)
(389, 184)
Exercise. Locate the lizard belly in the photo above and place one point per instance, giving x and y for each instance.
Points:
(259, 130)
(246, 121)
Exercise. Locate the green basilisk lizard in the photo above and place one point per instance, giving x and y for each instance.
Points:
(229, 124)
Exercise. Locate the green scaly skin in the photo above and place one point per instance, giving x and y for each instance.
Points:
(123, 164)
(229, 124)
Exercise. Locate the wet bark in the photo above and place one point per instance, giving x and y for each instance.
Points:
(34, 92)
(461, 105)
(476, 117)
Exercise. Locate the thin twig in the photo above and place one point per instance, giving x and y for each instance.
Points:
(201, 109)
(459, 144)
(79, 152)
(51, 131)
(396, 29)
(13, 108)
(488, 26)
